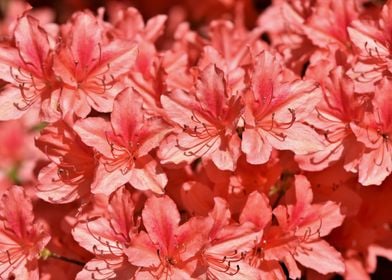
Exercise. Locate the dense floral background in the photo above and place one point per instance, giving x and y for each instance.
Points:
(209, 139)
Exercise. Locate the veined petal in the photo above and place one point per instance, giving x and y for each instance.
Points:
(106, 182)
(33, 44)
(375, 165)
(98, 237)
(211, 90)
(18, 219)
(85, 41)
(54, 190)
(92, 131)
(142, 251)
(226, 156)
(299, 138)
(256, 146)
(161, 219)
(127, 115)
(10, 97)
(148, 175)
(260, 218)
(320, 256)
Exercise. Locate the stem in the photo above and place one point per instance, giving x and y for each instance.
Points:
(280, 195)
(65, 259)
(45, 254)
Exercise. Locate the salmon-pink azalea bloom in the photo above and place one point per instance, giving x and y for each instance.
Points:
(284, 23)
(298, 235)
(327, 26)
(276, 105)
(107, 237)
(71, 171)
(166, 250)
(89, 66)
(128, 24)
(207, 121)
(230, 49)
(376, 161)
(26, 63)
(332, 117)
(373, 39)
(21, 238)
(124, 144)
(224, 252)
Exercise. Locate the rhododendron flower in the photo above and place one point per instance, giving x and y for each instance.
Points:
(128, 24)
(146, 74)
(376, 161)
(333, 115)
(224, 255)
(107, 237)
(26, 63)
(166, 249)
(90, 66)
(372, 39)
(298, 235)
(21, 238)
(284, 25)
(71, 171)
(231, 48)
(208, 119)
(124, 145)
(327, 26)
(275, 106)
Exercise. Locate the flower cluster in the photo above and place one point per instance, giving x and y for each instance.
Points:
(136, 149)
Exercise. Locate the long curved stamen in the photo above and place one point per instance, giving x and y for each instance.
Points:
(337, 135)
(106, 244)
(207, 143)
(122, 157)
(373, 141)
(20, 79)
(207, 133)
(97, 273)
(385, 150)
(287, 124)
(274, 126)
(223, 264)
(373, 52)
(323, 117)
(309, 235)
(17, 260)
(333, 151)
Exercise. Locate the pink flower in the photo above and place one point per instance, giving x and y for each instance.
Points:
(298, 235)
(223, 254)
(89, 66)
(276, 105)
(108, 237)
(71, 171)
(339, 107)
(284, 23)
(207, 121)
(21, 238)
(230, 49)
(166, 249)
(372, 39)
(26, 63)
(124, 145)
(375, 133)
(327, 26)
